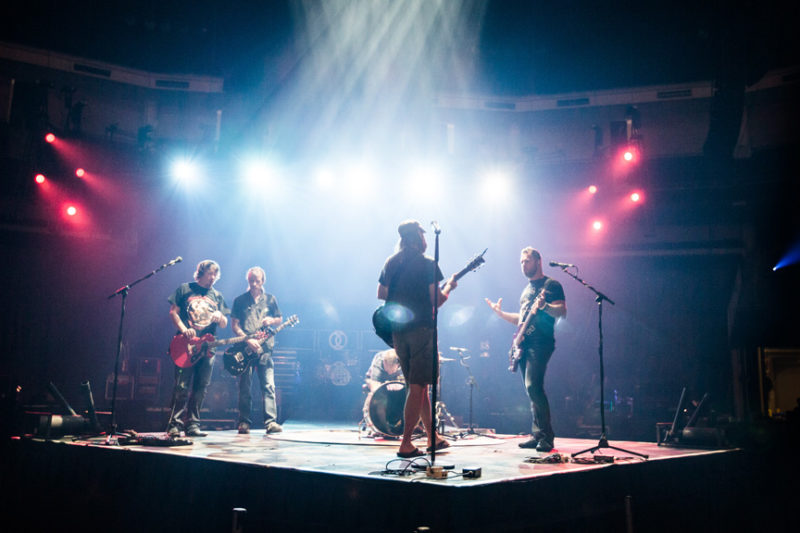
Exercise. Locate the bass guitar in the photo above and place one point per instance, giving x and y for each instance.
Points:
(237, 358)
(381, 322)
(186, 353)
(515, 354)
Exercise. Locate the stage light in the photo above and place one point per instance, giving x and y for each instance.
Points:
(49, 137)
(323, 178)
(597, 225)
(592, 189)
(72, 210)
(635, 197)
(258, 172)
(426, 182)
(80, 172)
(39, 178)
(496, 186)
(185, 170)
(628, 155)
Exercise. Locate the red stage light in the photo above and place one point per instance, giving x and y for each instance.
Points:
(593, 189)
(80, 172)
(72, 210)
(635, 197)
(628, 155)
(597, 225)
(39, 178)
(49, 137)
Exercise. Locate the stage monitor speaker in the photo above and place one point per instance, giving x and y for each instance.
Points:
(780, 380)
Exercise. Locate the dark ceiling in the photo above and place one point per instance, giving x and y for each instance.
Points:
(524, 47)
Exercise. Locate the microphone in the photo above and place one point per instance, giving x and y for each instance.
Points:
(436, 227)
(176, 260)
(560, 265)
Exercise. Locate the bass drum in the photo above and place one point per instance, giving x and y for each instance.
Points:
(383, 409)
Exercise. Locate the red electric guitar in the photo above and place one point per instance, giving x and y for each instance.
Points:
(186, 353)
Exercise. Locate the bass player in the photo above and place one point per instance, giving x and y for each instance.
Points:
(541, 304)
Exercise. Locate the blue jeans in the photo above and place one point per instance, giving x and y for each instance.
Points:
(185, 405)
(266, 380)
(533, 365)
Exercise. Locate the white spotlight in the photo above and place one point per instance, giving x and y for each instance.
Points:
(185, 171)
(496, 186)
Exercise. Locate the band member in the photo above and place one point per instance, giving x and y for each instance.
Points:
(538, 341)
(409, 283)
(385, 367)
(253, 310)
(196, 308)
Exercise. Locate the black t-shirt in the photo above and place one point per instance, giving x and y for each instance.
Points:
(250, 313)
(197, 304)
(408, 275)
(541, 330)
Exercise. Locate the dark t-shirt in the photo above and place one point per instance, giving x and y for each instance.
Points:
(196, 304)
(541, 330)
(250, 313)
(408, 275)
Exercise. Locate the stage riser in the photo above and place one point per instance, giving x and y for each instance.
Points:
(125, 491)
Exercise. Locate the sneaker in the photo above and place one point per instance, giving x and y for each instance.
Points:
(273, 427)
(195, 432)
(544, 446)
(174, 432)
(244, 428)
(530, 443)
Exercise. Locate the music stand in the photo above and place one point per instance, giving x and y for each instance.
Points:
(599, 298)
(111, 439)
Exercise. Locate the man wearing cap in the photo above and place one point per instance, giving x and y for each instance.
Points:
(408, 283)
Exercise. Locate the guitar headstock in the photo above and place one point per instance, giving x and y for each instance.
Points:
(291, 322)
(477, 261)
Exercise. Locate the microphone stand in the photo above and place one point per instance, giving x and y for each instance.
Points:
(599, 298)
(435, 376)
(470, 381)
(111, 438)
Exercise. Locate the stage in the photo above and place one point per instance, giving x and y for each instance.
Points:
(317, 477)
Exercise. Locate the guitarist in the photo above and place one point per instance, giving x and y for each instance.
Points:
(252, 311)
(196, 308)
(538, 341)
(408, 284)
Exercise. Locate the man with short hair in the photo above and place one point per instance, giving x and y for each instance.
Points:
(409, 282)
(196, 308)
(543, 300)
(252, 311)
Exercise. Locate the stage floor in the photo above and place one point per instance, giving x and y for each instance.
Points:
(344, 451)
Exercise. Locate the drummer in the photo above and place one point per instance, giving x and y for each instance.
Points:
(385, 367)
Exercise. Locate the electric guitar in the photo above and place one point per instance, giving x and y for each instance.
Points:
(382, 324)
(515, 354)
(237, 358)
(185, 353)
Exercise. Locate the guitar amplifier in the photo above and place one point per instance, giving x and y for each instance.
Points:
(125, 384)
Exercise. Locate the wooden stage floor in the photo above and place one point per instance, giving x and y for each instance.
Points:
(323, 477)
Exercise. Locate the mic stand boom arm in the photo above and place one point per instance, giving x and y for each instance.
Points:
(124, 292)
(603, 442)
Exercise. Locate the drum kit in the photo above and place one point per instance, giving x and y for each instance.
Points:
(383, 408)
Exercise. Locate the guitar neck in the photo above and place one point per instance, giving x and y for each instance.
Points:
(232, 340)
